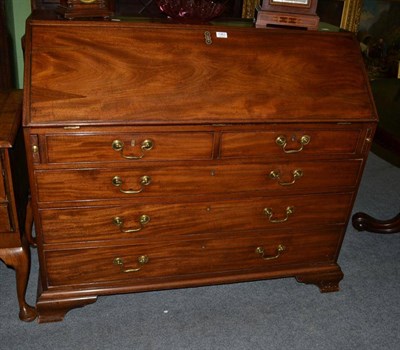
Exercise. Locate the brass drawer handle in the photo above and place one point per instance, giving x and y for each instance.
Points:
(279, 250)
(144, 181)
(268, 212)
(143, 220)
(276, 175)
(142, 260)
(282, 142)
(118, 146)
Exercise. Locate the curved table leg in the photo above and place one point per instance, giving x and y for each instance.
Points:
(19, 259)
(364, 222)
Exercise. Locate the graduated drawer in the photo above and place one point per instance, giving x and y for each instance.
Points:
(227, 253)
(332, 141)
(150, 181)
(172, 220)
(128, 147)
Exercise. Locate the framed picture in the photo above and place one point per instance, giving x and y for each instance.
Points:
(351, 15)
(378, 16)
(379, 35)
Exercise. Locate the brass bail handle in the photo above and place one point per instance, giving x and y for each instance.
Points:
(119, 222)
(260, 251)
(118, 146)
(142, 260)
(144, 181)
(281, 141)
(269, 213)
(276, 175)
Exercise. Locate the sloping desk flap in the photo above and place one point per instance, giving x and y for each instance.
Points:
(148, 73)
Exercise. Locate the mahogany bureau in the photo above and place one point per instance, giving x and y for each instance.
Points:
(14, 191)
(164, 155)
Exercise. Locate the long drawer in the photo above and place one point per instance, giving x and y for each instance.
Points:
(235, 252)
(148, 181)
(170, 220)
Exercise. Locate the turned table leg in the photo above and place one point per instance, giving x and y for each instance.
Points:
(364, 222)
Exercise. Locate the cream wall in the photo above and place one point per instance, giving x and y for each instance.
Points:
(17, 12)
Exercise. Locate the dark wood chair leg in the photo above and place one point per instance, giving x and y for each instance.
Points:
(364, 222)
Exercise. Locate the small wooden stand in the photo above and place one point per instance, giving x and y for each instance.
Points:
(272, 19)
(72, 9)
(288, 13)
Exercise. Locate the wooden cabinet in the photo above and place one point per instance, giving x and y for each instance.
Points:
(159, 159)
(14, 219)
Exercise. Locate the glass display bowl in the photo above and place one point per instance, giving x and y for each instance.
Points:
(192, 10)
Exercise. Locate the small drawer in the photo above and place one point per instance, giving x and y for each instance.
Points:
(136, 264)
(129, 147)
(160, 181)
(311, 142)
(174, 221)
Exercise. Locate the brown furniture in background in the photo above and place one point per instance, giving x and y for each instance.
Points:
(14, 218)
(167, 156)
(386, 145)
(6, 78)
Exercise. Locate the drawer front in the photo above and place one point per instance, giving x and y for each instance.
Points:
(201, 256)
(168, 221)
(129, 147)
(97, 184)
(265, 144)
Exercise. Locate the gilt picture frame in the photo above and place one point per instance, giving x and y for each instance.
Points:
(351, 15)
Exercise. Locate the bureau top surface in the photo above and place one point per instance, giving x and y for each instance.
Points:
(127, 73)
